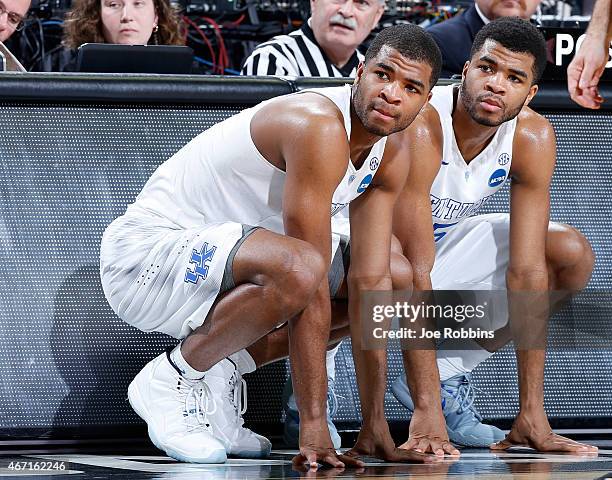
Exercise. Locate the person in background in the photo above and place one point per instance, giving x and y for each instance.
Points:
(325, 46)
(455, 36)
(127, 22)
(587, 66)
(12, 16)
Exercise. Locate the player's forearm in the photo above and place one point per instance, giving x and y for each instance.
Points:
(371, 368)
(528, 305)
(528, 309)
(609, 7)
(370, 364)
(423, 378)
(530, 365)
(600, 26)
(420, 362)
(308, 336)
(421, 256)
(421, 278)
(524, 279)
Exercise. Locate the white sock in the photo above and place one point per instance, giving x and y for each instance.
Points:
(243, 360)
(179, 362)
(330, 362)
(453, 358)
(450, 366)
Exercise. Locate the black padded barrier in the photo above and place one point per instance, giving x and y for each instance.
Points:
(75, 150)
(137, 88)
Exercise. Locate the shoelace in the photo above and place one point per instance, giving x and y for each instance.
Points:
(465, 396)
(238, 396)
(200, 396)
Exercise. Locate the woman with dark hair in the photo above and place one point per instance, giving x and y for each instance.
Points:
(128, 22)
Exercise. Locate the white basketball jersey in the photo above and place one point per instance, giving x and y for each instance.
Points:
(460, 189)
(220, 176)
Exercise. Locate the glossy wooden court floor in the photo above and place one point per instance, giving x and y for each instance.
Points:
(481, 464)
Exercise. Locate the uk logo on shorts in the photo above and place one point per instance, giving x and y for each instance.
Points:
(198, 267)
(374, 163)
(364, 183)
(503, 159)
(497, 178)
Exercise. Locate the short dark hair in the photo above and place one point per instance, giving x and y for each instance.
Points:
(517, 35)
(413, 43)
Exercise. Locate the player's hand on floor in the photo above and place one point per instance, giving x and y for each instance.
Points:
(316, 448)
(428, 434)
(377, 442)
(329, 472)
(534, 431)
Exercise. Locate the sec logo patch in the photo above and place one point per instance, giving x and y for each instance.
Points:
(503, 159)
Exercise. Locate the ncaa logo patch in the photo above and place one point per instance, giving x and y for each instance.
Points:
(374, 163)
(351, 178)
(364, 183)
(497, 177)
(503, 159)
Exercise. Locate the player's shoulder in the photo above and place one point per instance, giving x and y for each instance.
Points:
(311, 112)
(533, 128)
(304, 109)
(418, 147)
(302, 124)
(424, 132)
(429, 124)
(534, 146)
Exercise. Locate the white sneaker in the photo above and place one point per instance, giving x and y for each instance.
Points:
(228, 390)
(177, 412)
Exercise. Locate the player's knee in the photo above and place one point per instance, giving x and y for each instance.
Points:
(401, 272)
(303, 269)
(396, 246)
(571, 249)
(587, 255)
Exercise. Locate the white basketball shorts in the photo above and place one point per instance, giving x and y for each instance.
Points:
(164, 279)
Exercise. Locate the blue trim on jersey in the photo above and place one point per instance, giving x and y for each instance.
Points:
(438, 236)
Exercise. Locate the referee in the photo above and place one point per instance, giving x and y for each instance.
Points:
(325, 46)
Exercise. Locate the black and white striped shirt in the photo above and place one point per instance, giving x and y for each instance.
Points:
(296, 54)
